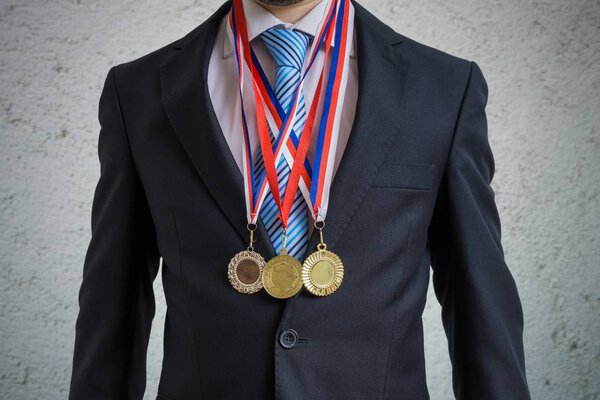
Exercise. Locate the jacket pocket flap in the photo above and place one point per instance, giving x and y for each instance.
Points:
(405, 175)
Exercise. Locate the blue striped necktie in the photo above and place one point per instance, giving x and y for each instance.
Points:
(288, 48)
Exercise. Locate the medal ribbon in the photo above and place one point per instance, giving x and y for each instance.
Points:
(277, 118)
(320, 178)
(254, 195)
(330, 118)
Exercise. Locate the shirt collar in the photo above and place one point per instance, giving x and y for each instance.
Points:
(259, 19)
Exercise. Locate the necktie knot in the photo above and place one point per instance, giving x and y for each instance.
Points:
(286, 46)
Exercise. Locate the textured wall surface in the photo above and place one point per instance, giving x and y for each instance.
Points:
(540, 58)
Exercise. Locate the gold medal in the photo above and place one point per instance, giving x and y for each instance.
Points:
(246, 268)
(322, 271)
(282, 275)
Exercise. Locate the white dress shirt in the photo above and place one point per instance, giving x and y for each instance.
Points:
(223, 81)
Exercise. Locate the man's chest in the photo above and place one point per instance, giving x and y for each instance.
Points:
(226, 100)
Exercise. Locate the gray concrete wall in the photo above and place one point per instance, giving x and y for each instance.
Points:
(540, 59)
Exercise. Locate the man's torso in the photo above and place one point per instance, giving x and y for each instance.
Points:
(365, 340)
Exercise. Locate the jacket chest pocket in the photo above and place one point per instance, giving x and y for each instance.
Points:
(404, 176)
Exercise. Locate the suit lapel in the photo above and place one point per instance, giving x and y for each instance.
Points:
(379, 118)
(187, 103)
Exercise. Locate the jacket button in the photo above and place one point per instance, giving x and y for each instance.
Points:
(288, 338)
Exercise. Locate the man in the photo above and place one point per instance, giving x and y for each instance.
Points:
(411, 190)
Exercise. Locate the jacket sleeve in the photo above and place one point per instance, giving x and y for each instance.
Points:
(481, 310)
(116, 299)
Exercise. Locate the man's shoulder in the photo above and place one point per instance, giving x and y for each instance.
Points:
(426, 58)
(434, 58)
(150, 62)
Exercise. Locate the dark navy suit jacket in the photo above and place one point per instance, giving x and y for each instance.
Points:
(412, 192)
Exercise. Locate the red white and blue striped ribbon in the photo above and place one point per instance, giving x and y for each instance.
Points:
(255, 192)
(329, 124)
(268, 110)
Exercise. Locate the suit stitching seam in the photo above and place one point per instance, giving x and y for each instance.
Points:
(133, 295)
(435, 216)
(403, 273)
(112, 73)
(376, 186)
(277, 393)
(411, 165)
(458, 114)
(404, 186)
(189, 305)
(122, 119)
(460, 111)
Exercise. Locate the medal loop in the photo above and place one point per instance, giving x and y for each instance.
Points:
(251, 228)
(319, 225)
(284, 242)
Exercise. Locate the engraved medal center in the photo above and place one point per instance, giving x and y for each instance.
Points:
(283, 277)
(322, 273)
(248, 271)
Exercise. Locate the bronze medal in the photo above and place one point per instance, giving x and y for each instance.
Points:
(322, 271)
(245, 271)
(246, 268)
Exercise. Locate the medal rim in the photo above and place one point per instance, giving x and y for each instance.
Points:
(272, 290)
(245, 288)
(338, 272)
